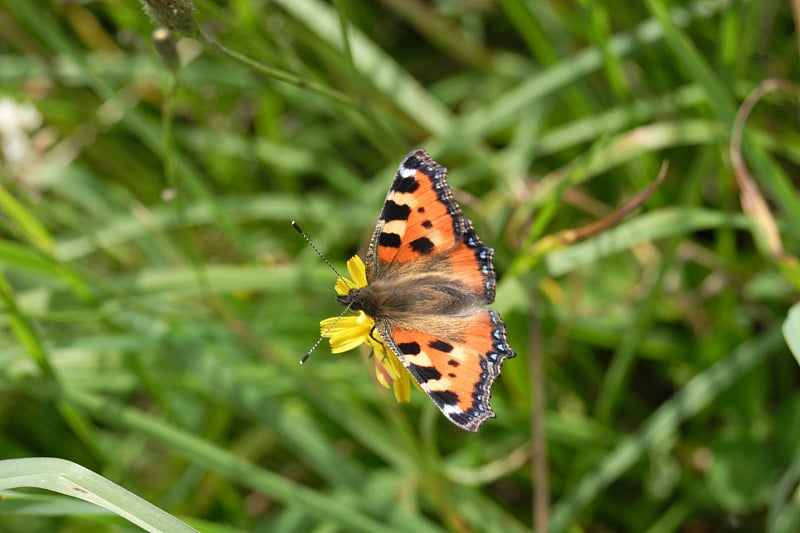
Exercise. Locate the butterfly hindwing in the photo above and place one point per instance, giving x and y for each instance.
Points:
(456, 373)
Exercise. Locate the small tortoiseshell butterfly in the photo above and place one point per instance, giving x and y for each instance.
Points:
(429, 278)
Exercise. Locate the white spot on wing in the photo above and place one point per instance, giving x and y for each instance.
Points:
(450, 409)
(407, 172)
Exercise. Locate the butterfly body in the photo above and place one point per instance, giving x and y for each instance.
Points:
(409, 296)
(429, 278)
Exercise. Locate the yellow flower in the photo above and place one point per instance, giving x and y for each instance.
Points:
(348, 332)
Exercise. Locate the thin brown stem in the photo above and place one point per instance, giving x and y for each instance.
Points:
(541, 484)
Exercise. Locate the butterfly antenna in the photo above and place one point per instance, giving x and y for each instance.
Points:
(296, 226)
(310, 350)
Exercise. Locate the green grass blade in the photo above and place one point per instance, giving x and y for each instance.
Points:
(68, 478)
(28, 224)
(668, 222)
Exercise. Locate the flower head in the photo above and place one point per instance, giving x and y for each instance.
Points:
(348, 332)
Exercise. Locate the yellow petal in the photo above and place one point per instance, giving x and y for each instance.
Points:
(357, 270)
(390, 370)
(402, 390)
(343, 286)
(401, 383)
(393, 366)
(347, 332)
(382, 376)
(358, 273)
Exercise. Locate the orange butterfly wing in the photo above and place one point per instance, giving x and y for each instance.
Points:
(456, 374)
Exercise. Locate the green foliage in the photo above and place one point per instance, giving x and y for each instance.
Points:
(156, 301)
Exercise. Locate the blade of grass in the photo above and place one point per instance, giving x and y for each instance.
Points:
(219, 460)
(28, 224)
(667, 222)
(68, 478)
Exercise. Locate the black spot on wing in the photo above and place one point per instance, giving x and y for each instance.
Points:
(392, 240)
(427, 224)
(412, 162)
(442, 346)
(453, 363)
(424, 373)
(394, 211)
(402, 184)
(444, 397)
(423, 245)
(409, 348)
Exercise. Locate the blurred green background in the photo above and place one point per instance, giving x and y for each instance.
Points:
(155, 299)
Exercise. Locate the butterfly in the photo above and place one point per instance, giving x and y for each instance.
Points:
(428, 280)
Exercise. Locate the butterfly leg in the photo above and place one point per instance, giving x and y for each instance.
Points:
(378, 340)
